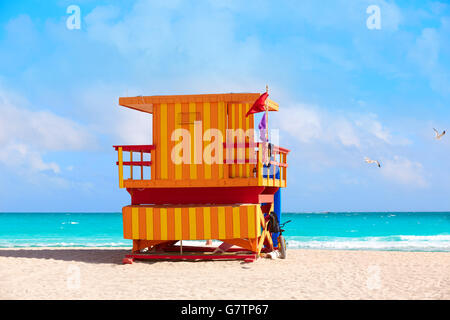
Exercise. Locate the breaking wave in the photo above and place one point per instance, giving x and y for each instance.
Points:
(388, 243)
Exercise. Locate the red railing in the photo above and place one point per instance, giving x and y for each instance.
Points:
(141, 149)
(269, 169)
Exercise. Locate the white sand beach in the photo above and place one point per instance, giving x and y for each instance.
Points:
(94, 273)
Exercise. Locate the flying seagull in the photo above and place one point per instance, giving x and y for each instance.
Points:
(372, 161)
(439, 135)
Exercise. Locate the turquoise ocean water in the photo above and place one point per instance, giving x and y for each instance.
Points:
(406, 231)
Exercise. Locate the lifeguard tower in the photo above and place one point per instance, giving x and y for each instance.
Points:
(203, 178)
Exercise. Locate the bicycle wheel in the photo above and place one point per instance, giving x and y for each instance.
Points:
(282, 247)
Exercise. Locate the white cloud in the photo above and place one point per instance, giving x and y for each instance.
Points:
(374, 127)
(404, 171)
(429, 53)
(42, 129)
(426, 49)
(122, 125)
(20, 155)
(301, 122)
(26, 135)
(310, 124)
(346, 133)
(155, 37)
(21, 30)
(133, 127)
(324, 139)
(391, 16)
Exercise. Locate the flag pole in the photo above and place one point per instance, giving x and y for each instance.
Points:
(267, 126)
(267, 115)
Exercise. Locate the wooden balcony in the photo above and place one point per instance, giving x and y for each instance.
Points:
(242, 165)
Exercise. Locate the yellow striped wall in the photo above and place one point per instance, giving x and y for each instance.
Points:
(236, 119)
(168, 117)
(191, 223)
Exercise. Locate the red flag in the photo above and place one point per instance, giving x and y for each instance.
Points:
(259, 105)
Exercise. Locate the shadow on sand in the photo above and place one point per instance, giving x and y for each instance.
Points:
(100, 256)
(105, 256)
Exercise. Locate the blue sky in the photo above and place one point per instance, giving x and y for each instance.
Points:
(345, 92)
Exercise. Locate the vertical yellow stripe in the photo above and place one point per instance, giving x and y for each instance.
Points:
(258, 215)
(163, 215)
(260, 167)
(222, 116)
(247, 153)
(178, 168)
(207, 222)
(131, 167)
(221, 221)
(157, 140)
(152, 166)
(233, 127)
(164, 142)
(178, 224)
(135, 222)
(192, 118)
(149, 220)
(206, 127)
(251, 221)
(120, 167)
(233, 122)
(236, 223)
(240, 140)
(192, 224)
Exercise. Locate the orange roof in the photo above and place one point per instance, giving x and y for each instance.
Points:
(145, 103)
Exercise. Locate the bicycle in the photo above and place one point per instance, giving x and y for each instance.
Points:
(282, 241)
(276, 227)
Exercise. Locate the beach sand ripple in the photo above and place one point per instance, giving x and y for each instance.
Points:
(87, 273)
